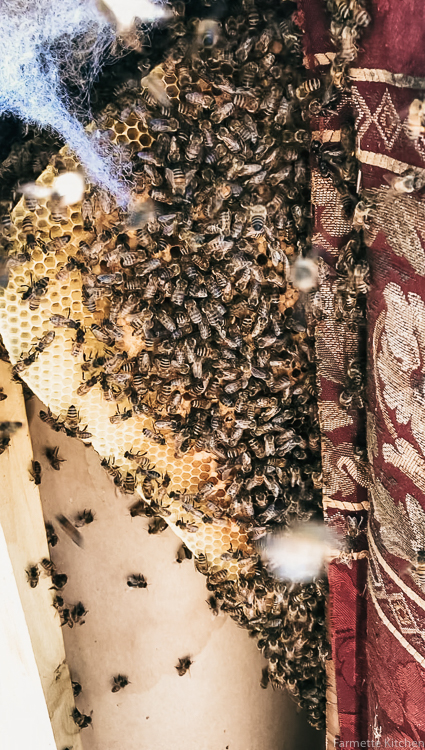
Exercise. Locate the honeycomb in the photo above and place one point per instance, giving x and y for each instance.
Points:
(56, 374)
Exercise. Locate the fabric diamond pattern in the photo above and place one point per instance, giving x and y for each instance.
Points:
(387, 121)
(363, 116)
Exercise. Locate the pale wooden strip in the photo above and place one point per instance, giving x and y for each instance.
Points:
(393, 575)
(384, 162)
(332, 720)
(22, 521)
(24, 719)
(334, 555)
(326, 136)
(377, 75)
(321, 58)
(329, 502)
(409, 648)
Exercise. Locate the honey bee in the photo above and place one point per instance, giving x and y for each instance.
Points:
(157, 526)
(119, 682)
(136, 581)
(35, 472)
(84, 518)
(128, 484)
(121, 416)
(55, 245)
(47, 417)
(33, 575)
(76, 689)
(201, 563)
(35, 291)
(86, 386)
(213, 605)
(265, 678)
(112, 469)
(82, 720)
(183, 665)
(52, 538)
(52, 455)
(153, 436)
(59, 580)
(183, 553)
(78, 611)
(60, 321)
(142, 508)
(48, 566)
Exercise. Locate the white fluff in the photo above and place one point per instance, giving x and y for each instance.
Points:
(126, 11)
(68, 188)
(298, 554)
(47, 45)
(304, 274)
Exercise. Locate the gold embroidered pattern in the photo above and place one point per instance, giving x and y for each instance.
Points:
(324, 194)
(378, 581)
(319, 239)
(402, 219)
(332, 416)
(407, 459)
(342, 468)
(335, 347)
(400, 359)
(372, 440)
(402, 531)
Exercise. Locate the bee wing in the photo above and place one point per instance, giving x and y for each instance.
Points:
(396, 531)
(70, 530)
(169, 176)
(156, 88)
(189, 176)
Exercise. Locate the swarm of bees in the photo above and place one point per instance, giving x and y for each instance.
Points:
(69, 424)
(198, 276)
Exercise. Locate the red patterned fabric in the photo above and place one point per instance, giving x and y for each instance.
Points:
(377, 607)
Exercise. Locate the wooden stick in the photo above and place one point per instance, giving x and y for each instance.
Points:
(21, 519)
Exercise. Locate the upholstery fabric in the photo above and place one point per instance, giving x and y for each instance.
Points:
(377, 598)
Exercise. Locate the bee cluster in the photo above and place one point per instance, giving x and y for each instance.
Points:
(197, 325)
(225, 360)
(288, 622)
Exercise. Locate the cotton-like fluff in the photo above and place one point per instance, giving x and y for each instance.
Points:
(298, 553)
(45, 43)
